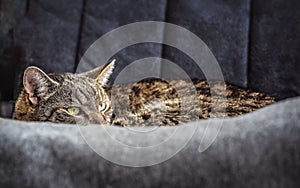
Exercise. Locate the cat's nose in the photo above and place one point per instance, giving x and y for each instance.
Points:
(97, 118)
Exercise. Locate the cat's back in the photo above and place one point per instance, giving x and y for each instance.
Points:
(176, 101)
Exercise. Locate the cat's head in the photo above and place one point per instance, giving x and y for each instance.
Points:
(68, 98)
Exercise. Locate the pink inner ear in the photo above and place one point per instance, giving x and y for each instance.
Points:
(30, 82)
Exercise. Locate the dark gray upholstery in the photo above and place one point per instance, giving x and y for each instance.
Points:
(255, 42)
(260, 149)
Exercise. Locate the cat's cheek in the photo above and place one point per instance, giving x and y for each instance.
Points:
(60, 116)
(76, 120)
(81, 120)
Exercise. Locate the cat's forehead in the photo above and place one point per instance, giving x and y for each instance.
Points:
(71, 79)
(74, 82)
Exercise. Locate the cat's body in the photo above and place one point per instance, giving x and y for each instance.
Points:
(85, 98)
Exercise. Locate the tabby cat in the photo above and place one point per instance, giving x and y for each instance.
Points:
(86, 98)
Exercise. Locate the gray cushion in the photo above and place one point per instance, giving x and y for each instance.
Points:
(260, 149)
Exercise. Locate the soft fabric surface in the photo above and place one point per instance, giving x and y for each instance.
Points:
(260, 149)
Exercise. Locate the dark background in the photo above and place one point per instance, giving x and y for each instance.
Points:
(256, 42)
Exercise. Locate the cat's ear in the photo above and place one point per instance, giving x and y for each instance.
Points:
(92, 73)
(105, 73)
(38, 84)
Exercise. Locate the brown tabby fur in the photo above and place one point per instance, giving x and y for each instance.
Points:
(148, 102)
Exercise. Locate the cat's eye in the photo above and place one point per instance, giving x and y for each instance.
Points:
(102, 107)
(73, 111)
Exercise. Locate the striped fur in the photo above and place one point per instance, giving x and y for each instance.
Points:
(148, 102)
